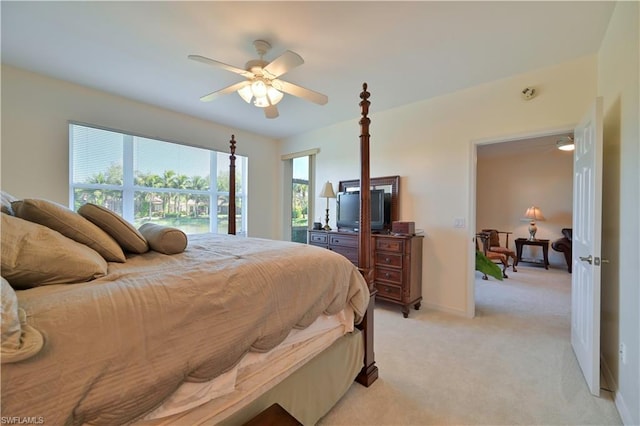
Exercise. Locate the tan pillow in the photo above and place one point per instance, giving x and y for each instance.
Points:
(70, 224)
(19, 340)
(7, 199)
(164, 239)
(34, 255)
(129, 238)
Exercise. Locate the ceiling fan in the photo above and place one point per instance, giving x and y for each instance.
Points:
(262, 83)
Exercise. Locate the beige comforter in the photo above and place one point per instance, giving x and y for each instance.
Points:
(117, 346)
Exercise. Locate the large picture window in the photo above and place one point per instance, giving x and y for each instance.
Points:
(148, 180)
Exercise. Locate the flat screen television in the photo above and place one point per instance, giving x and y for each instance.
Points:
(348, 210)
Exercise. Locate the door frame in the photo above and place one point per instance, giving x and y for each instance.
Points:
(473, 178)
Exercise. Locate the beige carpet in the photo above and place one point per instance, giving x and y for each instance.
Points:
(512, 364)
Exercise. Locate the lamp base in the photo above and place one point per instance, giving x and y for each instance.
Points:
(532, 231)
(326, 221)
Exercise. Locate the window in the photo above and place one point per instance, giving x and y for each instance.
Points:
(147, 180)
(300, 199)
(298, 181)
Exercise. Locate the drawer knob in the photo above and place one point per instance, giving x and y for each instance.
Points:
(386, 259)
(387, 289)
(387, 274)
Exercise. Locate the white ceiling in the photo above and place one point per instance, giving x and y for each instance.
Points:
(537, 145)
(405, 51)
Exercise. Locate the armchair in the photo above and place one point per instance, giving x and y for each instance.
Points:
(494, 257)
(494, 245)
(563, 245)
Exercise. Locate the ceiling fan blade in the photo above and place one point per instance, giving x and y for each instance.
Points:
(225, 91)
(283, 63)
(301, 92)
(271, 111)
(204, 60)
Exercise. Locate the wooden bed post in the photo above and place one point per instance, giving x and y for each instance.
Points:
(369, 372)
(232, 188)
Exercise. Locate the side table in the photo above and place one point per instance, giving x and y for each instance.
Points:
(521, 242)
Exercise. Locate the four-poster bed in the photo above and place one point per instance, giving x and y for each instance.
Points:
(191, 337)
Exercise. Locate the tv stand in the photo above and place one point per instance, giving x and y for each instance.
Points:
(397, 263)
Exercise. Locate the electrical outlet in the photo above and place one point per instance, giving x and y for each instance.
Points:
(623, 353)
(459, 222)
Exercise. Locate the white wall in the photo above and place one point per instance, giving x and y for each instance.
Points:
(35, 147)
(508, 183)
(618, 74)
(429, 143)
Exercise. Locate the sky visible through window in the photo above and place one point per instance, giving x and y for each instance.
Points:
(301, 168)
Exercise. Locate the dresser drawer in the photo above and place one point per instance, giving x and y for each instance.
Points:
(388, 259)
(392, 275)
(390, 244)
(343, 240)
(318, 238)
(389, 291)
(348, 252)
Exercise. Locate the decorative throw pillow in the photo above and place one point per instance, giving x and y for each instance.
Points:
(70, 224)
(19, 340)
(164, 239)
(34, 255)
(7, 199)
(129, 238)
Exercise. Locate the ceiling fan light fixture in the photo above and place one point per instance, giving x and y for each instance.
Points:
(246, 93)
(259, 88)
(261, 92)
(274, 95)
(261, 102)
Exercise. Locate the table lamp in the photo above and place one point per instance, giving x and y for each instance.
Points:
(327, 192)
(533, 213)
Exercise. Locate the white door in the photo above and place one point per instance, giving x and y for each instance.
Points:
(587, 218)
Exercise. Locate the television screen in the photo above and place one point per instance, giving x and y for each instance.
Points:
(348, 210)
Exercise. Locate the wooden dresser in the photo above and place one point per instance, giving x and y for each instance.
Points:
(397, 263)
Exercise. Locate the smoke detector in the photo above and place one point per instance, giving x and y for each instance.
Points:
(528, 93)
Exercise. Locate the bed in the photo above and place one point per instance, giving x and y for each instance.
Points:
(184, 333)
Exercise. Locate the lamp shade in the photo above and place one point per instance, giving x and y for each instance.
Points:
(327, 191)
(534, 213)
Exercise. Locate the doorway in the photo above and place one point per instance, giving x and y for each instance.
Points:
(511, 175)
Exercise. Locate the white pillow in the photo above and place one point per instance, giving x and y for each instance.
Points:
(6, 199)
(19, 340)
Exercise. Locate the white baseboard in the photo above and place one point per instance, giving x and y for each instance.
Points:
(621, 406)
(623, 410)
